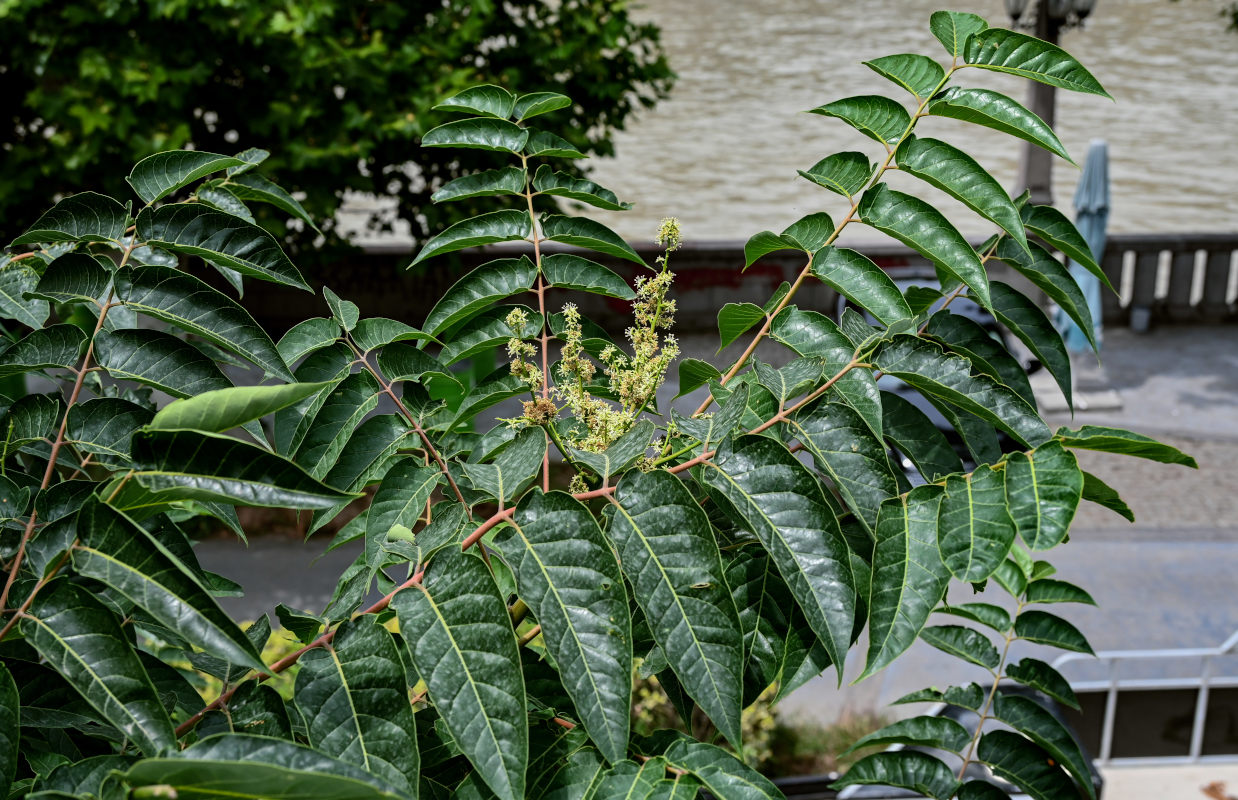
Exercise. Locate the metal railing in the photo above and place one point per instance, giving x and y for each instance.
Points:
(1114, 683)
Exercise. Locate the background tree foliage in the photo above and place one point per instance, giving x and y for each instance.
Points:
(338, 90)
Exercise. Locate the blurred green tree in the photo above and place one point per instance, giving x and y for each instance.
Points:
(339, 90)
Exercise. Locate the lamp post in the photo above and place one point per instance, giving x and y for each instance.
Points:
(1047, 19)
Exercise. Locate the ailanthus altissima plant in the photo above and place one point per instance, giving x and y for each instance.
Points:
(733, 553)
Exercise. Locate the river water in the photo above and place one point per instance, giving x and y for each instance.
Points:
(722, 152)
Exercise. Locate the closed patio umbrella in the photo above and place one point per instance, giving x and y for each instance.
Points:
(1091, 217)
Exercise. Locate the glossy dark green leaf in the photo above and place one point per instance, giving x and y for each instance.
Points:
(1048, 590)
(219, 198)
(73, 277)
(496, 135)
(909, 769)
(485, 99)
(764, 243)
(954, 28)
(30, 418)
(487, 393)
(965, 643)
(766, 612)
(925, 366)
(188, 303)
(1101, 493)
(1116, 440)
(734, 320)
(1028, 57)
(17, 283)
(568, 575)
(83, 641)
(224, 409)
(959, 175)
(695, 373)
(157, 176)
(353, 695)
(158, 359)
(253, 187)
(784, 506)
(248, 767)
(908, 577)
(810, 232)
(1029, 718)
(843, 448)
(1026, 765)
(577, 778)
(253, 707)
(715, 427)
(1028, 322)
(627, 779)
(941, 733)
(476, 291)
(844, 173)
(513, 469)
(44, 348)
(999, 112)
(874, 116)
(1042, 492)
(485, 331)
(547, 145)
(306, 337)
(669, 554)
(486, 183)
(858, 279)
(584, 232)
(339, 414)
(1042, 627)
(986, 353)
(195, 230)
(548, 181)
(404, 362)
(460, 638)
(923, 228)
(573, 272)
(375, 332)
(724, 775)
(981, 790)
(918, 74)
(187, 465)
(10, 734)
(1038, 675)
(622, 454)
(367, 453)
(84, 217)
(986, 614)
(1056, 228)
(975, 530)
(103, 426)
(1048, 274)
(498, 226)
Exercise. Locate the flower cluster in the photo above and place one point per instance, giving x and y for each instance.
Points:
(521, 352)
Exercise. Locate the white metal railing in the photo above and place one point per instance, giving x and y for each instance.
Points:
(1114, 683)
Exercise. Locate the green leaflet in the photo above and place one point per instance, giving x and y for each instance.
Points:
(724, 775)
(941, 733)
(82, 640)
(1116, 440)
(808, 233)
(1038, 675)
(224, 409)
(786, 383)
(187, 465)
(255, 188)
(953, 29)
(716, 427)
(670, 556)
(975, 528)
(497, 226)
(486, 183)
(981, 789)
(496, 135)
(918, 74)
(695, 373)
(476, 291)
(44, 348)
(999, 112)
(31, 418)
(924, 229)
(860, 280)
(577, 778)
(915, 435)
(353, 696)
(549, 181)
(543, 144)
(17, 282)
(219, 198)
(460, 639)
(370, 334)
(254, 706)
(965, 643)
(1028, 57)
(10, 734)
(1043, 489)
(186, 302)
(927, 368)
(1042, 627)
(340, 412)
(623, 453)
(104, 426)
(485, 99)
(1026, 320)
(843, 447)
(569, 271)
(158, 359)
(513, 469)
(986, 354)
(1056, 228)
(538, 103)
(247, 767)
(960, 176)
(568, 575)
(734, 320)
(908, 578)
(83, 217)
(1048, 274)
(120, 554)
(909, 769)
(774, 640)
(844, 173)
(628, 780)
(220, 238)
(73, 277)
(986, 614)
(1026, 765)
(785, 507)
(584, 232)
(485, 331)
(874, 116)
(1099, 492)
(306, 337)
(157, 176)
(1047, 590)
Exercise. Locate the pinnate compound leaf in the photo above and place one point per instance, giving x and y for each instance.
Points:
(44, 348)
(858, 279)
(82, 640)
(918, 74)
(188, 465)
(724, 775)
(999, 112)
(924, 229)
(186, 302)
(568, 575)
(584, 232)
(926, 367)
(120, 554)
(157, 176)
(10, 734)
(496, 135)
(785, 507)
(734, 320)
(1116, 440)
(353, 695)
(1026, 765)
(84, 217)
(1043, 489)
(549, 181)
(1042, 627)
(1042, 677)
(844, 173)
(965, 643)
(158, 359)
(486, 99)
(224, 409)
(498, 226)
(248, 767)
(1048, 590)
(487, 183)
(954, 28)
(1028, 57)
(941, 733)
(669, 554)
(908, 577)
(460, 638)
(1029, 718)
(480, 288)
(1056, 228)
(976, 530)
(908, 769)
(17, 283)
(874, 116)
